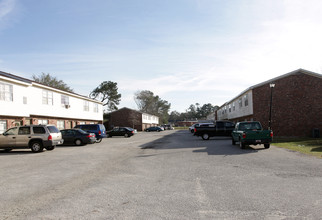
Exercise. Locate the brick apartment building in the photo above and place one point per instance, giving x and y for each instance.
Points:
(296, 104)
(25, 102)
(126, 117)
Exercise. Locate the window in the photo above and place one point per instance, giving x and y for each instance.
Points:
(39, 130)
(24, 130)
(246, 99)
(47, 97)
(234, 107)
(3, 126)
(229, 125)
(53, 129)
(86, 106)
(61, 124)
(240, 102)
(42, 122)
(6, 92)
(229, 107)
(65, 101)
(12, 131)
(95, 107)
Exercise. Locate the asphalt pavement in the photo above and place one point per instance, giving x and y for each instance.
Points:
(160, 175)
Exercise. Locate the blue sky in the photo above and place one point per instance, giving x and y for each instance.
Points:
(185, 51)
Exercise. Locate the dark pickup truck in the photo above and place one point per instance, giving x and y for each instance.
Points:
(251, 132)
(219, 128)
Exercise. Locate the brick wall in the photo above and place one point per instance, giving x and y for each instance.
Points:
(126, 118)
(297, 105)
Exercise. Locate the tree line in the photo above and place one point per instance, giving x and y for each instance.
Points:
(147, 101)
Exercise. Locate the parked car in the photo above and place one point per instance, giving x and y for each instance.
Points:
(251, 132)
(98, 129)
(156, 128)
(35, 137)
(77, 137)
(219, 128)
(205, 124)
(167, 127)
(192, 128)
(121, 131)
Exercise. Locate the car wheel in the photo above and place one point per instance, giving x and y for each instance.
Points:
(98, 140)
(266, 146)
(242, 145)
(205, 136)
(36, 146)
(78, 142)
(191, 131)
(233, 141)
(126, 135)
(7, 150)
(50, 148)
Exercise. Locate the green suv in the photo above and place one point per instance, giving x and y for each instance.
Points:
(35, 137)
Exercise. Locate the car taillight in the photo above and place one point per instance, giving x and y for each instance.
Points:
(195, 130)
(132, 132)
(99, 132)
(271, 134)
(244, 135)
(50, 138)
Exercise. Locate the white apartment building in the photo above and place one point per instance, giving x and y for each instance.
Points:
(238, 107)
(23, 102)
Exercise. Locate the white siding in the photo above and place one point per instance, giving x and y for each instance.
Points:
(150, 119)
(32, 93)
(225, 112)
(16, 106)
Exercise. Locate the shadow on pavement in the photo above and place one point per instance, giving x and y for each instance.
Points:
(215, 146)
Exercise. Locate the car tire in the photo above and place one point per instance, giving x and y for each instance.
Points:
(126, 135)
(205, 136)
(266, 146)
(233, 142)
(191, 131)
(36, 146)
(50, 148)
(98, 140)
(7, 150)
(78, 142)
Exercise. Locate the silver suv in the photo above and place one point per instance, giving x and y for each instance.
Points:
(35, 137)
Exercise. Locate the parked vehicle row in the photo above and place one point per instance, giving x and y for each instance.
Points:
(245, 133)
(38, 137)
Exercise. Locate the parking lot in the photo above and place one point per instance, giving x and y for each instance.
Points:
(160, 175)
